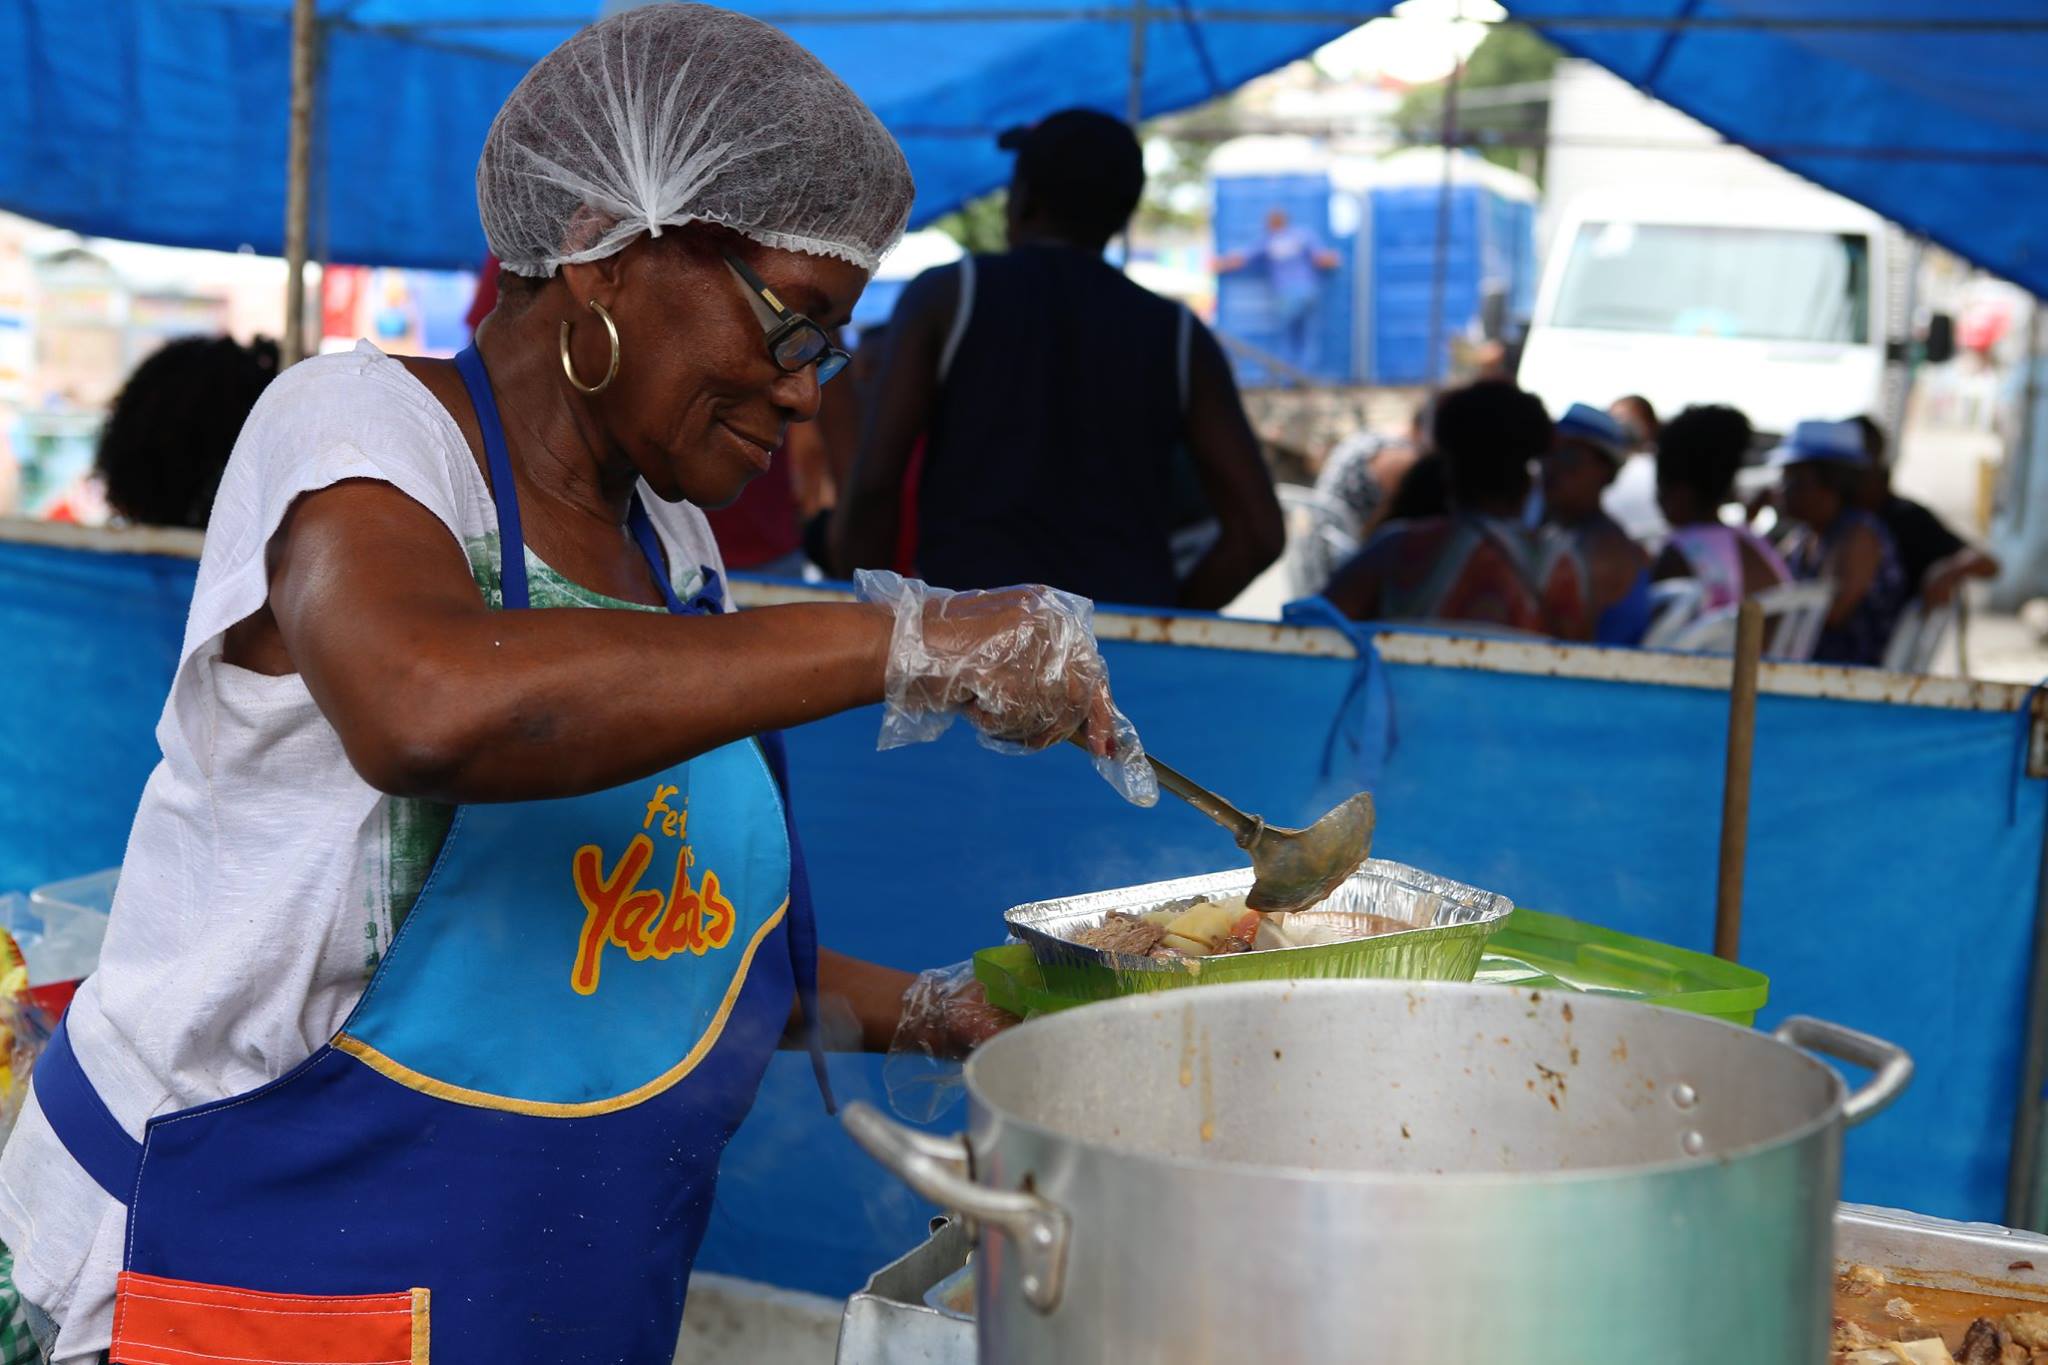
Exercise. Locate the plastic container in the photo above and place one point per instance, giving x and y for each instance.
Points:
(1550, 952)
(66, 921)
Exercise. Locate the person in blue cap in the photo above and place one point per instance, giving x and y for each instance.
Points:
(1583, 460)
(1824, 467)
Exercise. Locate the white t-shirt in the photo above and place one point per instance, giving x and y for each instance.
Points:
(263, 877)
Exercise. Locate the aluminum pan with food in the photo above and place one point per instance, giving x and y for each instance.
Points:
(1450, 925)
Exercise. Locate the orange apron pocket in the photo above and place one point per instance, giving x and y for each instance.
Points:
(177, 1322)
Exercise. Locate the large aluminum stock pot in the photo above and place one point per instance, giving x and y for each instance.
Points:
(1398, 1171)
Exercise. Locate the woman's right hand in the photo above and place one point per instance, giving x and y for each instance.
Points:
(1020, 663)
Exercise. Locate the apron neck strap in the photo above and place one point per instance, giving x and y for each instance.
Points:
(512, 540)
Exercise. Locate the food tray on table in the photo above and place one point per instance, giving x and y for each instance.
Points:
(1902, 1278)
(1531, 949)
(1447, 925)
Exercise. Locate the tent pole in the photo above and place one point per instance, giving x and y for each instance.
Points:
(298, 177)
(1134, 100)
(2023, 1187)
(1443, 221)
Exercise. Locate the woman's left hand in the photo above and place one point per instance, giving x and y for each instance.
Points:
(946, 1015)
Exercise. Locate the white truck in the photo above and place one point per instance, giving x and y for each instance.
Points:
(1688, 270)
(1760, 299)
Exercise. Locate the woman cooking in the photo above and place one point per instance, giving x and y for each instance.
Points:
(462, 913)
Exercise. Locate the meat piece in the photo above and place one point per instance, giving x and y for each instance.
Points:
(1853, 1336)
(1982, 1344)
(1122, 933)
(2028, 1329)
(1898, 1310)
(1859, 1281)
(1244, 931)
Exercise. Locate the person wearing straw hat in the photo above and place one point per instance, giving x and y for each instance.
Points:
(1823, 466)
(461, 918)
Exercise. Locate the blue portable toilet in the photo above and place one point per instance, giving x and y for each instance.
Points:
(1489, 248)
(1372, 321)
(1250, 177)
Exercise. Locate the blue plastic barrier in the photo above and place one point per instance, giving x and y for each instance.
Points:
(1895, 853)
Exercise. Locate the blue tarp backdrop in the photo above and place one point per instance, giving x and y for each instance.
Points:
(1892, 874)
(165, 120)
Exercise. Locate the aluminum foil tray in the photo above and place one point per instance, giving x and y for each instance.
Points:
(1451, 923)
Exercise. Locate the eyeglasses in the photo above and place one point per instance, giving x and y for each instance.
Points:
(794, 341)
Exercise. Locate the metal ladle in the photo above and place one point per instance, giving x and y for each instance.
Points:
(1292, 869)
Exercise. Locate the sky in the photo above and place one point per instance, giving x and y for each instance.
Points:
(1420, 44)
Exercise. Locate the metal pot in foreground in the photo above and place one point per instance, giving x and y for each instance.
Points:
(1398, 1171)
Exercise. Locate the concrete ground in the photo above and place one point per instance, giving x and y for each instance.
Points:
(739, 1322)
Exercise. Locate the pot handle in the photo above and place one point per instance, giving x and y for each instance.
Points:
(1891, 1068)
(936, 1168)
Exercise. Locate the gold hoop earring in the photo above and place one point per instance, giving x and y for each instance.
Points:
(611, 372)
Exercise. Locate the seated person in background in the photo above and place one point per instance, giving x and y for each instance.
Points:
(1631, 500)
(1824, 471)
(1480, 562)
(1698, 454)
(174, 424)
(1638, 419)
(1935, 560)
(1422, 492)
(1363, 470)
(1579, 466)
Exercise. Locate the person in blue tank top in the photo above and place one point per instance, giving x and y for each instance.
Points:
(1069, 417)
(463, 689)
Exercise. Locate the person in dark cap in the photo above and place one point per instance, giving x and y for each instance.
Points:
(1935, 560)
(1056, 399)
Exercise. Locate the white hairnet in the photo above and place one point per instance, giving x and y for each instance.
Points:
(673, 114)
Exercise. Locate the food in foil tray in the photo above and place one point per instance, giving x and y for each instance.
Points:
(1210, 928)
(1883, 1323)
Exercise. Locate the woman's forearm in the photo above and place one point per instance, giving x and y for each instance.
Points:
(866, 993)
(433, 695)
(536, 704)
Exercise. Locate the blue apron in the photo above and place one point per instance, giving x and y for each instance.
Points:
(524, 1113)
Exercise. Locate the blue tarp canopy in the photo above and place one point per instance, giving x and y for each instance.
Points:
(1932, 112)
(166, 120)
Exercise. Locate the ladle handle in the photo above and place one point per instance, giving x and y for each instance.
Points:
(1242, 827)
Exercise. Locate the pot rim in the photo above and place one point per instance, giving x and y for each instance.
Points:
(1829, 1117)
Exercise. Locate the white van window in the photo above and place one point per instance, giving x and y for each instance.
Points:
(1770, 284)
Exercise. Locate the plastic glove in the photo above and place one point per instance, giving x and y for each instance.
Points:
(1020, 663)
(945, 1016)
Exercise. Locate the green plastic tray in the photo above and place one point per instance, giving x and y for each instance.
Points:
(1532, 949)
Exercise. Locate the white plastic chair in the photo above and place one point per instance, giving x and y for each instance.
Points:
(1674, 605)
(1918, 635)
(1793, 616)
